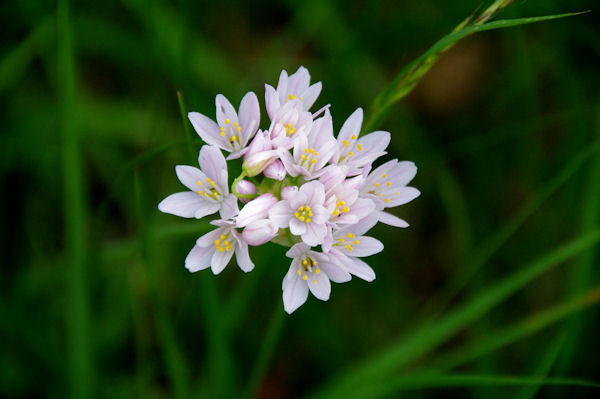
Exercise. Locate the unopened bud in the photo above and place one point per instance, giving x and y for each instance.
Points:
(245, 187)
(256, 163)
(275, 170)
(259, 232)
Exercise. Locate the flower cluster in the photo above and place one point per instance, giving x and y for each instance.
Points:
(300, 187)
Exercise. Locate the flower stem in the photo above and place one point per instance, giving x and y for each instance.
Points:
(235, 182)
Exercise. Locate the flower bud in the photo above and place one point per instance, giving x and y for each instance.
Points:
(245, 187)
(288, 192)
(275, 170)
(259, 232)
(256, 209)
(261, 142)
(257, 162)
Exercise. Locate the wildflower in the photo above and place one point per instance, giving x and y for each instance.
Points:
(300, 187)
(349, 243)
(386, 187)
(355, 152)
(312, 271)
(295, 87)
(209, 190)
(233, 131)
(215, 249)
(303, 213)
(313, 151)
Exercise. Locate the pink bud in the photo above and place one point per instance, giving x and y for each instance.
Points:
(257, 162)
(275, 170)
(245, 187)
(332, 176)
(256, 209)
(288, 192)
(261, 142)
(259, 232)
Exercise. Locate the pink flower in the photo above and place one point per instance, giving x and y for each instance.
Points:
(209, 190)
(289, 123)
(233, 131)
(313, 151)
(312, 271)
(303, 213)
(215, 249)
(357, 152)
(275, 170)
(297, 86)
(350, 243)
(386, 187)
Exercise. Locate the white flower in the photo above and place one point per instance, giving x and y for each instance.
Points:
(233, 131)
(289, 123)
(355, 152)
(350, 243)
(303, 213)
(209, 190)
(312, 271)
(216, 248)
(312, 151)
(386, 186)
(297, 86)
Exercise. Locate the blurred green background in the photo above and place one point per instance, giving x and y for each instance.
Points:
(94, 297)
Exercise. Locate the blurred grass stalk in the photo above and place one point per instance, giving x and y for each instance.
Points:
(411, 74)
(79, 350)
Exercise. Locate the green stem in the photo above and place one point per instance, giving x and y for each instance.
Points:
(235, 182)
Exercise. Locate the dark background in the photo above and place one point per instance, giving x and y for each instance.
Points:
(94, 297)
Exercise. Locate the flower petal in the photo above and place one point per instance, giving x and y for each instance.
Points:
(297, 250)
(183, 204)
(198, 258)
(392, 220)
(242, 256)
(309, 96)
(225, 110)
(405, 195)
(281, 214)
(212, 162)
(360, 269)
(335, 272)
(206, 208)
(220, 260)
(256, 209)
(295, 291)
(190, 176)
(271, 100)
(297, 227)
(351, 126)
(229, 207)
(320, 286)
(249, 116)
(206, 128)
(315, 233)
(259, 232)
(366, 246)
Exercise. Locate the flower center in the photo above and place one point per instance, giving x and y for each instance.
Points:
(309, 158)
(291, 97)
(289, 129)
(223, 244)
(340, 206)
(308, 266)
(349, 145)
(231, 131)
(381, 186)
(304, 214)
(347, 242)
(208, 189)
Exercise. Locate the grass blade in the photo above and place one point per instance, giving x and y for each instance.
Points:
(482, 253)
(80, 352)
(432, 334)
(423, 381)
(265, 353)
(514, 333)
(412, 73)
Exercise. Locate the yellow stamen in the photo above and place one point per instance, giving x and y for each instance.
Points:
(350, 235)
(345, 143)
(227, 121)
(305, 277)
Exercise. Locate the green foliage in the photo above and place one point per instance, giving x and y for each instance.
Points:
(491, 292)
